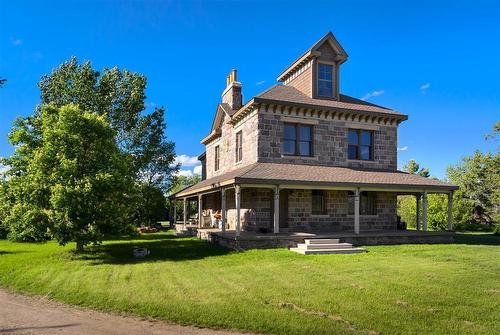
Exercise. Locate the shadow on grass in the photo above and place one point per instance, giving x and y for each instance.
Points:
(162, 247)
(2, 252)
(479, 239)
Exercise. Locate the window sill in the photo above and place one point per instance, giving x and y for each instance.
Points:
(300, 157)
(238, 163)
(362, 161)
(364, 215)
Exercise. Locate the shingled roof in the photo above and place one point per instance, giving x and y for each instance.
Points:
(288, 94)
(298, 174)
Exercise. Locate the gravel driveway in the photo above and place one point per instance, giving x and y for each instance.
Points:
(28, 315)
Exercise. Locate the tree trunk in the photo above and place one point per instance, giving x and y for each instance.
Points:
(79, 246)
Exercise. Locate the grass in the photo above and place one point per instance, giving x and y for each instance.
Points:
(408, 289)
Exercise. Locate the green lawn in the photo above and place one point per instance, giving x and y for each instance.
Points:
(409, 289)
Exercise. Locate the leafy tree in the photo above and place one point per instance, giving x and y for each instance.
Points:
(120, 96)
(496, 130)
(152, 205)
(478, 177)
(413, 167)
(76, 186)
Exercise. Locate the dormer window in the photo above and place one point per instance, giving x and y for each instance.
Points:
(325, 80)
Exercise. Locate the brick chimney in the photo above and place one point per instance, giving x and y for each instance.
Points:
(232, 94)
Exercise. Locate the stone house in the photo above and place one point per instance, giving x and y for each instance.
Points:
(302, 157)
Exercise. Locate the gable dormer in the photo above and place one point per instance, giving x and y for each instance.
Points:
(316, 73)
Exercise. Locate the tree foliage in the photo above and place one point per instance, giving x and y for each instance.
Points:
(478, 177)
(413, 167)
(77, 185)
(120, 96)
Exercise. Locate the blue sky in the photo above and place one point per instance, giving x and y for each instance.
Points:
(436, 62)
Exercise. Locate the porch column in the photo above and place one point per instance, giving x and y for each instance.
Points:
(223, 209)
(237, 200)
(184, 212)
(424, 211)
(277, 209)
(419, 199)
(200, 206)
(356, 211)
(450, 211)
(174, 218)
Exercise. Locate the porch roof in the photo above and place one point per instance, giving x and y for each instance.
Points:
(313, 175)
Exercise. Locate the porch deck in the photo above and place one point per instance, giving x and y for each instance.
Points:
(254, 240)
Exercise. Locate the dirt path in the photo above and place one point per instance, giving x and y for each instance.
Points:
(28, 315)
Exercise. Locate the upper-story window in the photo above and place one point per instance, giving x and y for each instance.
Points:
(217, 158)
(325, 80)
(360, 144)
(239, 146)
(298, 139)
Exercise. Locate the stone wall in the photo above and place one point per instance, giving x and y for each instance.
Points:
(300, 217)
(257, 211)
(329, 142)
(227, 145)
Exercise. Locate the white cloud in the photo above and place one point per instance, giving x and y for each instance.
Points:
(197, 170)
(185, 160)
(372, 94)
(424, 87)
(16, 41)
(260, 82)
(184, 173)
(403, 148)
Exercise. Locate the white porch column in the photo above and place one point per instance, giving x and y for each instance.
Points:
(418, 197)
(450, 211)
(277, 209)
(424, 211)
(200, 210)
(223, 209)
(356, 211)
(184, 212)
(237, 200)
(175, 212)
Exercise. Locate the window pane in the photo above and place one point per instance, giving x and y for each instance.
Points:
(289, 147)
(366, 137)
(352, 152)
(364, 152)
(305, 148)
(305, 133)
(318, 202)
(325, 72)
(352, 137)
(289, 131)
(325, 88)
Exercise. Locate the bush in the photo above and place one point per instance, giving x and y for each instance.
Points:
(496, 230)
(27, 224)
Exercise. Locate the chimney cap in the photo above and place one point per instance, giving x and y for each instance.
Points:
(232, 76)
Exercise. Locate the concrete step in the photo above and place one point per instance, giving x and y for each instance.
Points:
(328, 251)
(322, 241)
(325, 246)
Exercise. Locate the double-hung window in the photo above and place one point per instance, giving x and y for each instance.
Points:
(367, 203)
(318, 202)
(217, 158)
(298, 139)
(239, 146)
(360, 144)
(325, 80)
